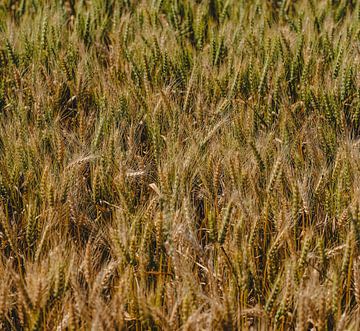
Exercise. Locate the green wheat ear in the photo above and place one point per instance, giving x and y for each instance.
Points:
(31, 228)
(225, 223)
(11, 54)
(44, 35)
(273, 295)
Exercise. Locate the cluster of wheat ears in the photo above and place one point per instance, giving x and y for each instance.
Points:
(179, 164)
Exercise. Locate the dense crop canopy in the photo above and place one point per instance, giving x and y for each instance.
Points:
(179, 164)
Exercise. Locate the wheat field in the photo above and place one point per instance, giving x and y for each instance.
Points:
(179, 165)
